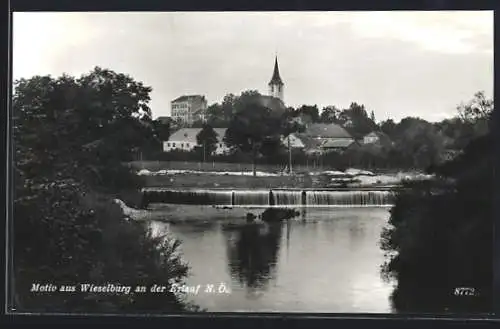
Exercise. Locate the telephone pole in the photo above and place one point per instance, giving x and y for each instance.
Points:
(289, 156)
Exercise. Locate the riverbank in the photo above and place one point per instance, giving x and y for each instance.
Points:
(189, 214)
(320, 179)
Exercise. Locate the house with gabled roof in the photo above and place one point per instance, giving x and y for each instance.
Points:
(293, 141)
(378, 138)
(376, 143)
(185, 140)
(322, 137)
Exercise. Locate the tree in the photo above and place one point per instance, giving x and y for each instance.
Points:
(330, 114)
(162, 130)
(355, 119)
(216, 117)
(252, 127)
(246, 97)
(440, 238)
(228, 106)
(309, 111)
(207, 138)
(372, 116)
(479, 108)
(418, 142)
(388, 127)
(71, 137)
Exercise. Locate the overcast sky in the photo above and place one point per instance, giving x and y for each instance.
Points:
(395, 63)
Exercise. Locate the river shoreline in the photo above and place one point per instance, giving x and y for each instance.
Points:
(238, 180)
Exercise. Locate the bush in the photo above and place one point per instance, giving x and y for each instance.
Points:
(440, 236)
(67, 230)
(83, 237)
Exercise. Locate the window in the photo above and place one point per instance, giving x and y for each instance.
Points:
(173, 144)
(182, 145)
(168, 144)
(220, 145)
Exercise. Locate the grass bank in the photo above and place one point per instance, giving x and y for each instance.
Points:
(199, 214)
(197, 180)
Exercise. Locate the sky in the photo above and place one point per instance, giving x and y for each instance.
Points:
(397, 64)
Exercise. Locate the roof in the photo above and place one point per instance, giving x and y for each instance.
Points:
(276, 79)
(188, 98)
(189, 134)
(294, 141)
(324, 130)
(338, 143)
(185, 135)
(220, 133)
(311, 143)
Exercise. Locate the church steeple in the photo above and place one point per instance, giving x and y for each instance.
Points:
(276, 84)
(276, 79)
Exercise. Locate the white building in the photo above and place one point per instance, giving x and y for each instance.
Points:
(188, 109)
(185, 140)
(377, 137)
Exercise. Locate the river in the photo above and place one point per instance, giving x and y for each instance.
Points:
(327, 261)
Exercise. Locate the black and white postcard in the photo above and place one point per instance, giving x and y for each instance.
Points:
(291, 162)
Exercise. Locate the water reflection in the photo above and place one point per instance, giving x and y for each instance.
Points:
(253, 256)
(328, 263)
(356, 234)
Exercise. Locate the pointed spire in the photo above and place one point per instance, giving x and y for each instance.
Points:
(276, 79)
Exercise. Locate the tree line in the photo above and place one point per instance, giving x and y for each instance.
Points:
(70, 138)
(439, 239)
(411, 143)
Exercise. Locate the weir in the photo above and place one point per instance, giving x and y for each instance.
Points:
(273, 198)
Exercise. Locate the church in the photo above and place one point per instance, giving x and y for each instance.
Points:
(274, 100)
(318, 137)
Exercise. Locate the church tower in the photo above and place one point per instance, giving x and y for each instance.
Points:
(276, 86)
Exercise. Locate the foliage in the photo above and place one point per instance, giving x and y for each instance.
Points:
(388, 127)
(412, 143)
(356, 120)
(479, 108)
(251, 128)
(70, 138)
(330, 114)
(162, 130)
(216, 117)
(439, 236)
(309, 114)
(258, 131)
(207, 137)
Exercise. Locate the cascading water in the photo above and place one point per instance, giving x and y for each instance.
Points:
(207, 197)
(349, 198)
(287, 198)
(251, 198)
(266, 198)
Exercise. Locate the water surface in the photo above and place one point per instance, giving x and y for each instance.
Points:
(327, 261)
